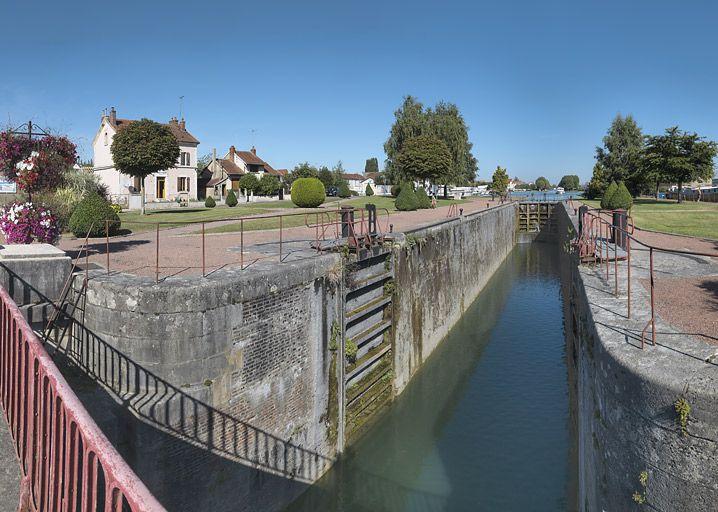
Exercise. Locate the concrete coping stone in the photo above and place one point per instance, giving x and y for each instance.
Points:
(30, 251)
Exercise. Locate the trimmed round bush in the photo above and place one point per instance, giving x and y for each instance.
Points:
(607, 195)
(90, 216)
(308, 192)
(621, 198)
(422, 199)
(231, 199)
(343, 190)
(395, 189)
(210, 202)
(406, 201)
(369, 191)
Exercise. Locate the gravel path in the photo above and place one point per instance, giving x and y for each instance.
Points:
(180, 248)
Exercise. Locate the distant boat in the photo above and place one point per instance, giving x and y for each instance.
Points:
(559, 190)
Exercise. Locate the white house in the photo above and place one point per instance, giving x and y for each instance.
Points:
(178, 182)
(358, 182)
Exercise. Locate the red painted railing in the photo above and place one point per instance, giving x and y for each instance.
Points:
(598, 235)
(67, 463)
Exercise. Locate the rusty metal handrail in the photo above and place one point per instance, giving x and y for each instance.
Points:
(64, 456)
(593, 222)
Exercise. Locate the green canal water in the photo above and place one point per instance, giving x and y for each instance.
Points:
(485, 424)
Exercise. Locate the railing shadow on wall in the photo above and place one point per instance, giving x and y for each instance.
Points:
(174, 411)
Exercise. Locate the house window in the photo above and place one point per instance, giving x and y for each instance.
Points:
(106, 138)
(183, 184)
(184, 158)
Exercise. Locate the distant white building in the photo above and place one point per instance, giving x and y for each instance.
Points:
(179, 181)
(358, 182)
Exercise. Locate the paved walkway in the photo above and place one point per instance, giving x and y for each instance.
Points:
(180, 248)
(9, 470)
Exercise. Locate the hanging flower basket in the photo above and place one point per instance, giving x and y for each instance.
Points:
(23, 223)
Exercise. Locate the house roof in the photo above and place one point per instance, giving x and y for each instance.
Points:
(181, 134)
(250, 158)
(216, 181)
(353, 176)
(229, 166)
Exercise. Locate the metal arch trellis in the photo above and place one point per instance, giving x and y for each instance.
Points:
(28, 130)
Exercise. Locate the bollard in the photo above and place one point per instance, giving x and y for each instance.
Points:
(347, 216)
(620, 225)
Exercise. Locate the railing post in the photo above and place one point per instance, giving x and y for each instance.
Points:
(157, 253)
(653, 309)
(241, 244)
(628, 268)
(280, 239)
(203, 255)
(107, 243)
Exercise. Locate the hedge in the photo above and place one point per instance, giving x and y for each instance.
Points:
(210, 202)
(343, 190)
(406, 201)
(606, 199)
(621, 198)
(395, 189)
(308, 192)
(369, 191)
(90, 216)
(422, 198)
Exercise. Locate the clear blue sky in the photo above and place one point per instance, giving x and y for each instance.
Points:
(538, 82)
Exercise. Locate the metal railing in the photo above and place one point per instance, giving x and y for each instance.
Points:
(594, 242)
(327, 226)
(66, 461)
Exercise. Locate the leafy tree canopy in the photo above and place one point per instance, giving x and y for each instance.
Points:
(371, 165)
(325, 176)
(424, 158)
(542, 183)
(570, 182)
(144, 147)
(444, 122)
(620, 155)
(500, 181)
(249, 182)
(678, 157)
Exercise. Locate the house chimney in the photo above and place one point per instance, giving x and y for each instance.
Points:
(254, 151)
(232, 151)
(113, 116)
(173, 120)
(181, 124)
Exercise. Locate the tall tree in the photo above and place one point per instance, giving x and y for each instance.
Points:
(679, 157)
(144, 147)
(326, 176)
(409, 121)
(598, 184)
(423, 158)
(620, 155)
(542, 183)
(570, 182)
(447, 124)
(500, 181)
(371, 165)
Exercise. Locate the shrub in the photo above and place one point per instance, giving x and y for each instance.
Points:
(249, 182)
(343, 190)
(621, 198)
(231, 199)
(210, 202)
(116, 208)
(606, 199)
(308, 192)
(90, 216)
(269, 185)
(369, 191)
(395, 189)
(406, 200)
(422, 198)
(350, 351)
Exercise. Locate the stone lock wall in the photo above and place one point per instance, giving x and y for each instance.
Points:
(624, 400)
(439, 271)
(228, 379)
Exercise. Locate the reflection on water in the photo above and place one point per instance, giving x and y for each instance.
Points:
(484, 425)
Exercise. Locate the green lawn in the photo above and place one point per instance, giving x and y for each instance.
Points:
(687, 218)
(175, 217)
(180, 216)
(311, 218)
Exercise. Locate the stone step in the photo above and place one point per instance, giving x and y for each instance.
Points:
(366, 362)
(366, 309)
